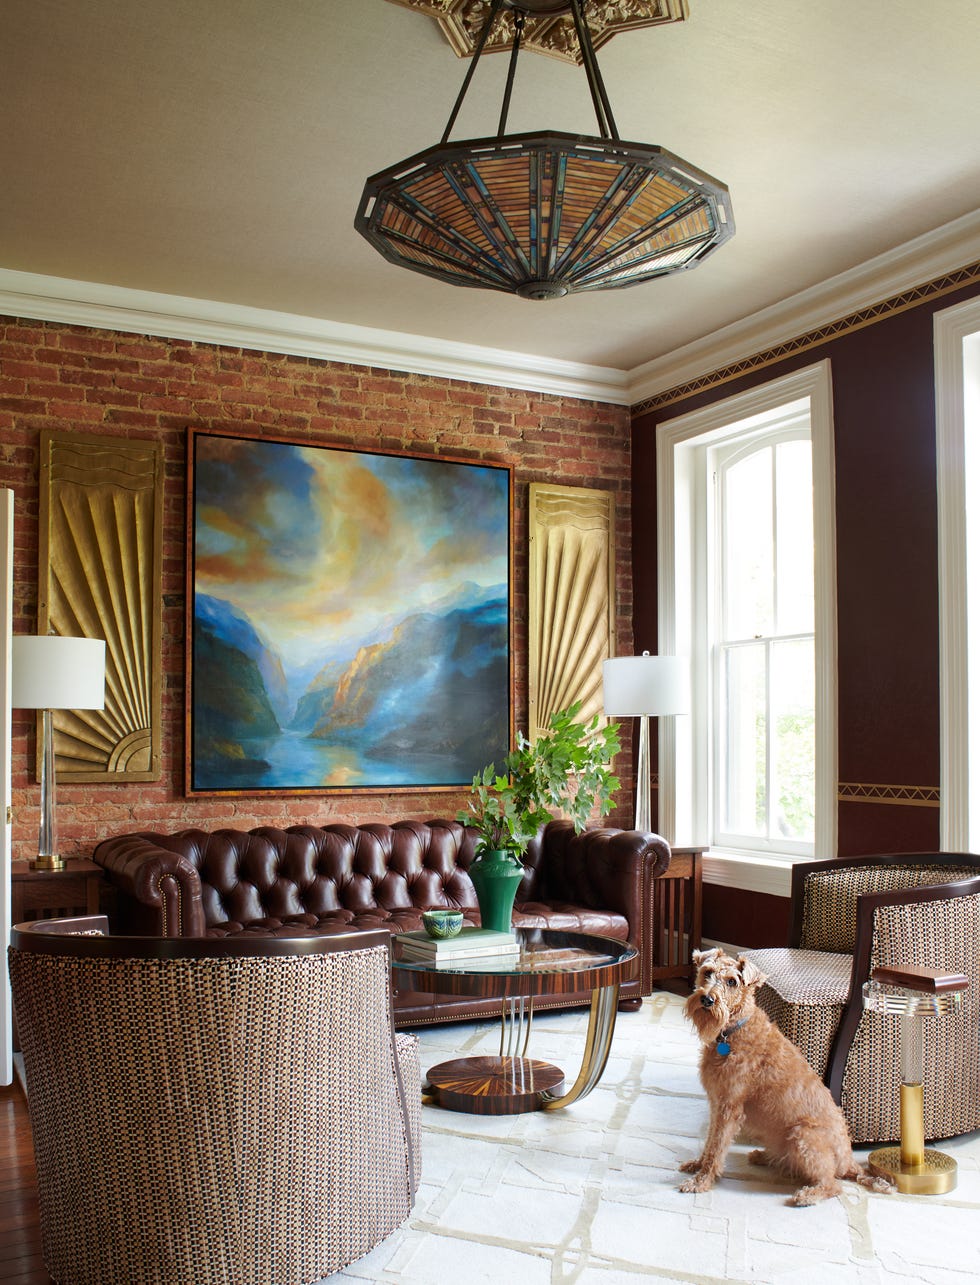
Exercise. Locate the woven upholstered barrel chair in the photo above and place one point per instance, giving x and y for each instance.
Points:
(848, 917)
(213, 1111)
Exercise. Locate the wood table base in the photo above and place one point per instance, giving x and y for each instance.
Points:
(492, 1085)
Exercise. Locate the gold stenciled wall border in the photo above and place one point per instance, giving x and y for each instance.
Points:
(844, 325)
(916, 796)
(100, 576)
(571, 588)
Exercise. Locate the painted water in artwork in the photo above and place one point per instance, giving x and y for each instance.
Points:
(350, 618)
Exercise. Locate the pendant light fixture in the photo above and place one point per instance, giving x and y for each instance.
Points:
(545, 214)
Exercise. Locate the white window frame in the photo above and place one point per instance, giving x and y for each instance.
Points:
(956, 335)
(684, 770)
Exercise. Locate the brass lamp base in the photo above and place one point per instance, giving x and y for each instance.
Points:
(935, 1175)
(52, 862)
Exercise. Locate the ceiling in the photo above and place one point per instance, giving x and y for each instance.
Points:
(217, 151)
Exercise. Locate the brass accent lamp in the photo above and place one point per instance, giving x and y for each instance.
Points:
(51, 672)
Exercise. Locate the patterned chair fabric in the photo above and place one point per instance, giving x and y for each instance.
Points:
(217, 1113)
(805, 996)
(852, 916)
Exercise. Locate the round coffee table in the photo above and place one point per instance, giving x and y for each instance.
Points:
(549, 963)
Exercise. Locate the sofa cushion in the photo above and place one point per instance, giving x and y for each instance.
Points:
(562, 918)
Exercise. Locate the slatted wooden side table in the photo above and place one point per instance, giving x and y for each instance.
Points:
(677, 915)
(51, 894)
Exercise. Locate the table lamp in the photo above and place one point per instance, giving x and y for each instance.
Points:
(645, 687)
(48, 673)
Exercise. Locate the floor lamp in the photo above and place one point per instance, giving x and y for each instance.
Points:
(645, 687)
(49, 672)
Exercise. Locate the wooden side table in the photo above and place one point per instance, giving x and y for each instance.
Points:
(677, 915)
(51, 894)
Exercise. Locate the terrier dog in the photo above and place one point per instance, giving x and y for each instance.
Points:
(756, 1078)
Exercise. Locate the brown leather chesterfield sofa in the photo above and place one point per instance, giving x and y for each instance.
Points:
(310, 879)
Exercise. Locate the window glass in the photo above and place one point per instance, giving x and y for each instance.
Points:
(794, 747)
(743, 770)
(748, 546)
(794, 537)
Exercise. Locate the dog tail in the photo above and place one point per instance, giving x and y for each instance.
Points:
(863, 1176)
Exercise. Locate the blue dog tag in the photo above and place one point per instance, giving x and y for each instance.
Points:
(724, 1048)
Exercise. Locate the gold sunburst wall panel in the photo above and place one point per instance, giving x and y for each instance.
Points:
(101, 565)
(462, 20)
(571, 585)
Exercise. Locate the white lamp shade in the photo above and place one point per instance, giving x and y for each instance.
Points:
(50, 672)
(633, 686)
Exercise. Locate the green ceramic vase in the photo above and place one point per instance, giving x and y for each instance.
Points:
(496, 876)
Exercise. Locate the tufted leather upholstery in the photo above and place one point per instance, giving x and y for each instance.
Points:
(324, 879)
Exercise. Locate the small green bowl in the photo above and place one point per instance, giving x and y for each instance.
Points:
(442, 923)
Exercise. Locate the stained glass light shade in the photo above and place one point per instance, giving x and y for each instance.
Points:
(544, 215)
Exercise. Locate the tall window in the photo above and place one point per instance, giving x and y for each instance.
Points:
(747, 589)
(761, 624)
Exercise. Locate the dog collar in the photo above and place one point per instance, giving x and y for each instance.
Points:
(721, 1041)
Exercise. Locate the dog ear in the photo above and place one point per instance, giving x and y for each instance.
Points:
(752, 975)
(700, 957)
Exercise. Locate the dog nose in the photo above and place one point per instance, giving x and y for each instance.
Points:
(707, 1001)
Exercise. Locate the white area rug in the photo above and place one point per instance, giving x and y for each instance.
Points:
(589, 1195)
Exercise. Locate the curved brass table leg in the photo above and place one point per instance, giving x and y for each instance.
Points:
(598, 1041)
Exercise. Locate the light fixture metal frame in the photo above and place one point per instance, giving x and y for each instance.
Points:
(406, 211)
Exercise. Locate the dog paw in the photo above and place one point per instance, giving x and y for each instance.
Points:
(759, 1157)
(700, 1182)
(874, 1182)
(805, 1196)
(813, 1195)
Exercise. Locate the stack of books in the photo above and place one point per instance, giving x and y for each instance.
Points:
(474, 946)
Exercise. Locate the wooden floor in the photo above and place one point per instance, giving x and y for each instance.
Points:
(20, 1232)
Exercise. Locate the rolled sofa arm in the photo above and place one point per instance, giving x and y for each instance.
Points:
(606, 868)
(159, 890)
(609, 869)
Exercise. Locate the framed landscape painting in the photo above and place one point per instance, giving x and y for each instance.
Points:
(348, 618)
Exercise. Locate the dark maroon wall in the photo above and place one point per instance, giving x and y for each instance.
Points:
(887, 581)
(742, 918)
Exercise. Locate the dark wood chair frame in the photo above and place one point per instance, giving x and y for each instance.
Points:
(867, 907)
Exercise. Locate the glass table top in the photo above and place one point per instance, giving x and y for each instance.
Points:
(539, 951)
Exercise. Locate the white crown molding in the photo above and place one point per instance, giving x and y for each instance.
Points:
(104, 307)
(947, 248)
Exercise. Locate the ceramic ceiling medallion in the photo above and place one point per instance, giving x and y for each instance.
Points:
(547, 31)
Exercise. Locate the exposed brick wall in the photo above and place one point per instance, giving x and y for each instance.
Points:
(74, 379)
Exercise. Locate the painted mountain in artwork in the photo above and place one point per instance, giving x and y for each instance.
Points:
(438, 688)
(233, 673)
(428, 705)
